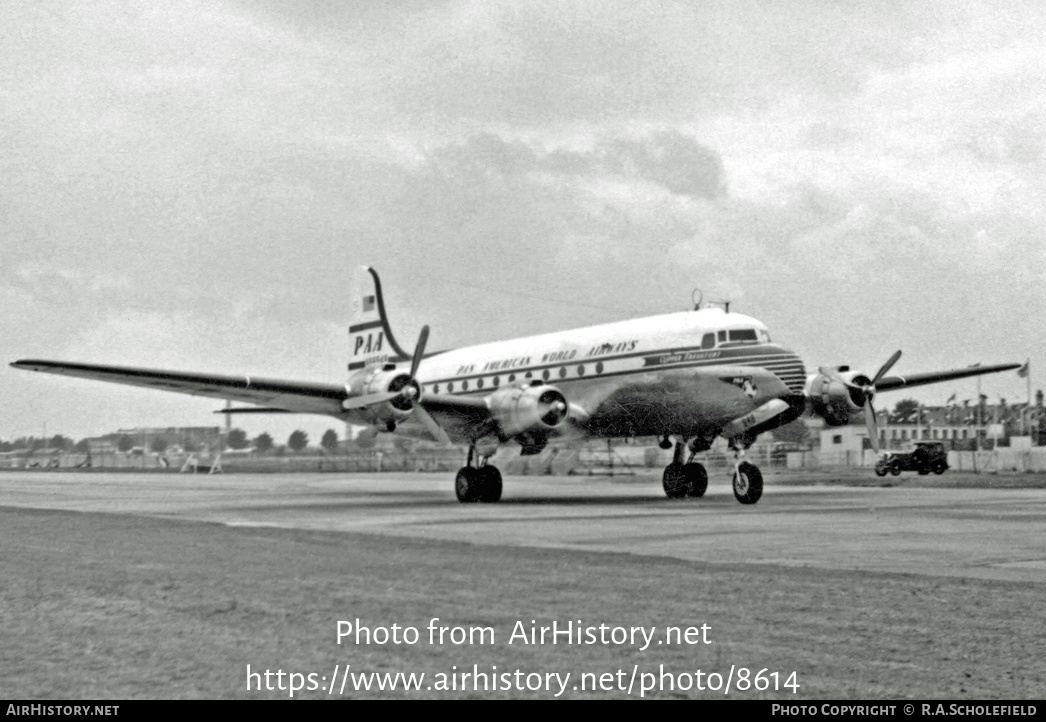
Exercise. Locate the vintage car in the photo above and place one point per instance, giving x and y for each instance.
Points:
(926, 457)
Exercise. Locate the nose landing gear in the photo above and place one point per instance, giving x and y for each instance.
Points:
(748, 480)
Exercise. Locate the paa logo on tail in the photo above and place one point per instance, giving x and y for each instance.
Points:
(370, 340)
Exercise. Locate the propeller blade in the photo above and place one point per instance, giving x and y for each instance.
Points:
(431, 425)
(419, 351)
(886, 367)
(869, 420)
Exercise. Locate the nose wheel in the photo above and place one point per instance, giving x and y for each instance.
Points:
(748, 483)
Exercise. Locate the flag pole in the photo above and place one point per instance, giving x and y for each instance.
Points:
(980, 405)
(1027, 408)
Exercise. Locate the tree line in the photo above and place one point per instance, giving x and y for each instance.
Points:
(236, 439)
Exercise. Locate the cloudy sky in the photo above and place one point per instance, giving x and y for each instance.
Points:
(189, 185)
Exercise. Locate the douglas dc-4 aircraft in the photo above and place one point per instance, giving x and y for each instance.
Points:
(686, 377)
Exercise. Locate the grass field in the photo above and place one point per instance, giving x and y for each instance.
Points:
(110, 606)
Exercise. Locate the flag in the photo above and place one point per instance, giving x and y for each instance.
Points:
(1023, 370)
(368, 303)
(950, 399)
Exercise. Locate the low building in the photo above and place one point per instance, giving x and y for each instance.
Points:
(959, 428)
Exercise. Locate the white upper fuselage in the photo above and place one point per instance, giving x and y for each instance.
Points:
(708, 337)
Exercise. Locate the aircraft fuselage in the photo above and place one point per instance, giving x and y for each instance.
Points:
(607, 367)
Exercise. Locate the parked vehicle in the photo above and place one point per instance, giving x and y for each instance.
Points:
(926, 457)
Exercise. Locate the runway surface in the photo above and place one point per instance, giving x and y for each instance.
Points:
(986, 533)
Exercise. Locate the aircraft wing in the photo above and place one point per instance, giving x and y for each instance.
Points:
(278, 394)
(459, 417)
(888, 383)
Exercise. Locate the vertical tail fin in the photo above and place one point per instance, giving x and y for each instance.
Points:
(370, 338)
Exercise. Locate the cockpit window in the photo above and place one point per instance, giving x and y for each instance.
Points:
(744, 335)
(764, 336)
(708, 340)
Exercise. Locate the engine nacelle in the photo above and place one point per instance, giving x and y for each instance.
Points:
(833, 401)
(533, 411)
(384, 379)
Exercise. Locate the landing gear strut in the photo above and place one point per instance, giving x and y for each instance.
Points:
(684, 481)
(477, 483)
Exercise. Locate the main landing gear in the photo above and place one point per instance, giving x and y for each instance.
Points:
(690, 480)
(477, 483)
(684, 481)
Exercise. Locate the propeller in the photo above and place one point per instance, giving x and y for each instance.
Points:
(408, 387)
(410, 391)
(404, 394)
(863, 393)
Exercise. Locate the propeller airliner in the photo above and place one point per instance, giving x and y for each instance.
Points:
(686, 377)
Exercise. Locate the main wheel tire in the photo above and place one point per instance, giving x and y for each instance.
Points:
(467, 485)
(748, 483)
(697, 477)
(675, 482)
(880, 469)
(490, 484)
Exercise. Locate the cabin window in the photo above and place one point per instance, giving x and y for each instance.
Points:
(450, 387)
(511, 378)
(708, 340)
(464, 385)
(562, 372)
(544, 374)
(599, 367)
(837, 439)
(581, 370)
(435, 389)
(479, 384)
(495, 381)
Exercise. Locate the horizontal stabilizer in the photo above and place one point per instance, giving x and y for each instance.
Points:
(253, 410)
